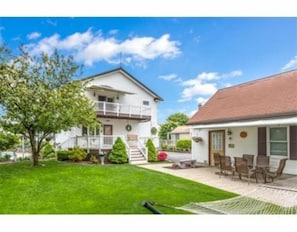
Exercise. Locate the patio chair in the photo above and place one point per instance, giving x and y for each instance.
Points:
(216, 157)
(226, 165)
(262, 161)
(277, 173)
(242, 168)
(250, 159)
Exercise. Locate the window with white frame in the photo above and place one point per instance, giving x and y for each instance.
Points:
(278, 141)
(217, 141)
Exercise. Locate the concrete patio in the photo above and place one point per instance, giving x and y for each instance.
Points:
(273, 192)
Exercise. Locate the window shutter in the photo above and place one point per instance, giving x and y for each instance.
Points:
(262, 141)
(293, 142)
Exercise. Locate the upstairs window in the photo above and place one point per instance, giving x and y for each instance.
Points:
(145, 103)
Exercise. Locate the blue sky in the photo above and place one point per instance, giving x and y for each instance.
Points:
(183, 59)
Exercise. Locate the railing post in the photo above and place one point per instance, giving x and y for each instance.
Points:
(129, 110)
(104, 108)
(118, 109)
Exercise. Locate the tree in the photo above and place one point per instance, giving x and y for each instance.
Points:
(179, 118)
(173, 121)
(118, 153)
(8, 141)
(152, 151)
(39, 97)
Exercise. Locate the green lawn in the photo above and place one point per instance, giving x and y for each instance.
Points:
(68, 188)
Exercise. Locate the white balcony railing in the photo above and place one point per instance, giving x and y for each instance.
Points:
(122, 110)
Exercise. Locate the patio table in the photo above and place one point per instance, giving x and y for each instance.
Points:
(261, 169)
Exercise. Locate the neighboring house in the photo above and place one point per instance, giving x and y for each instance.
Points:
(125, 108)
(258, 117)
(180, 132)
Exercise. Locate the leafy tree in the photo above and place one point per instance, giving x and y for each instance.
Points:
(152, 151)
(39, 97)
(118, 153)
(48, 151)
(179, 118)
(8, 141)
(173, 121)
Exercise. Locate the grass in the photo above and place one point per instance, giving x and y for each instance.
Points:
(69, 188)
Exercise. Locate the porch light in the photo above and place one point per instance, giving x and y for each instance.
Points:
(229, 133)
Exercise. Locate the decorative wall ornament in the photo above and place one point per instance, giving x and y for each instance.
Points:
(128, 127)
(243, 134)
(154, 130)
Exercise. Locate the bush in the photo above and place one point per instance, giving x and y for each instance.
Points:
(162, 156)
(118, 153)
(164, 147)
(94, 159)
(184, 144)
(77, 154)
(152, 151)
(63, 155)
(48, 151)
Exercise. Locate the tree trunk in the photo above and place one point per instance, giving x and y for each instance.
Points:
(34, 148)
(35, 158)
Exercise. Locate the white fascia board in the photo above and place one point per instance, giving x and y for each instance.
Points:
(267, 122)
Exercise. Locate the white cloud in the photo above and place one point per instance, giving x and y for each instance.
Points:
(51, 22)
(197, 88)
(150, 48)
(204, 84)
(291, 64)
(33, 35)
(168, 77)
(113, 32)
(89, 47)
(201, 100)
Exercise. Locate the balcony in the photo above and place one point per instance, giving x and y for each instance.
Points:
(122, 111)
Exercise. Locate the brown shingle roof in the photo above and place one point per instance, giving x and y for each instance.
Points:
(269, 97)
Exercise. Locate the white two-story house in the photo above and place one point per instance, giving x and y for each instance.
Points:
(125, 108)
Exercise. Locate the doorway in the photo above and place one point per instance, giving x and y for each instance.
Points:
(107, 135)
(216, 144)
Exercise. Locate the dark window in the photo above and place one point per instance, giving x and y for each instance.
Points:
(146, 103)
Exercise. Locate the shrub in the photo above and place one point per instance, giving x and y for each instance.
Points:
(63, 155)
(48, 151)
(94, 159)
(152, 151)
(118, 153)
(162, 155)
(184, 144)
(164, 147)
(77, 154)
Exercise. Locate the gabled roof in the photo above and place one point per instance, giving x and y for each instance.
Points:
(181, 130)
(270, 97)
(132, 78)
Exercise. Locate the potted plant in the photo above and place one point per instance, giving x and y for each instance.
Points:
(197, 139)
